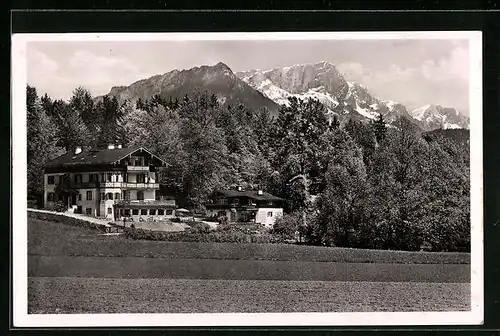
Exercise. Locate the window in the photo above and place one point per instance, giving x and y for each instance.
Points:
(157, 195)
(270, 214)
(127, 212)
(138, 161)
(236, 201)
(89, 195)
(110, 211)
(102, 196)
(92, 178)
(117, 196)
(140, 195)
(102, 177)
(141, 178)
(161, 212)
(109, 196)
(79, 197)
(135, 211)
(78, 178)
(51, 180)
(126, 194)
(108, 177)
(88, 211)
(152, 212)
(144, 212)
(50, 197)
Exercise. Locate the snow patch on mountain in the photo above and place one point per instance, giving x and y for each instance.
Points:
(436, 116)
(420, 112)
(365, 112)
(322, 81)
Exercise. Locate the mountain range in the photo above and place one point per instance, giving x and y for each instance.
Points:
(271, 88)
(217, 79)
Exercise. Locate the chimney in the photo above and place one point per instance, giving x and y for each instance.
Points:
(260, 192)
(119, 146)
(78, 150)
(111, 146)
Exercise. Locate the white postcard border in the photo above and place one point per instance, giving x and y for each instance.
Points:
(21, 318)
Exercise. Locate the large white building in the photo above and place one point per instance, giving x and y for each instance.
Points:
(111, 183)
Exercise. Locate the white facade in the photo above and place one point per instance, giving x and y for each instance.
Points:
(97, 182)
(267, 216)
(97, 201)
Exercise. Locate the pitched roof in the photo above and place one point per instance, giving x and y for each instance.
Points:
(94, 157)
(250, 194)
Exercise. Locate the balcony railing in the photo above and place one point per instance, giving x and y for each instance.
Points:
(138, 168)
(146, 202)
(84, 185)
(130, 185)
(232, 205)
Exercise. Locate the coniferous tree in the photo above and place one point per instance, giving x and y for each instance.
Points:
(83, 105)
(41, 143)
(380, 128)
(112, 115)
(72, 131)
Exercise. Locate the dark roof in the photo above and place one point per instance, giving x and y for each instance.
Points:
(254, 194)
(93, 157)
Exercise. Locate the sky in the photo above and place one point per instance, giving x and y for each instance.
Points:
(412, 72)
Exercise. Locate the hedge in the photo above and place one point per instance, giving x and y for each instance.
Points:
(207, 237)
(52, 217)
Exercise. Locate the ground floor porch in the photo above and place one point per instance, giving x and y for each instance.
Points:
(143, 212)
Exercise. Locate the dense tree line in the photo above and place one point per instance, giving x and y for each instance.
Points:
(356, 184)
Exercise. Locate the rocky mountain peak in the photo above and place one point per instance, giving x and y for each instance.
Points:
(434, 116)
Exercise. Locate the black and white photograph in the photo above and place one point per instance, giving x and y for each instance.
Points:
(224, 179)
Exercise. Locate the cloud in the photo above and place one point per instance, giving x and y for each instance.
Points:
(453, 67)
(101, 72)
(351, 69)
(42, 70)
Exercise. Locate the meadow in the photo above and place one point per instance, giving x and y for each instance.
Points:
(79, 270)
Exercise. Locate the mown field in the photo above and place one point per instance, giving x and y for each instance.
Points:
(74, 241)
(85, 295)
(76, 270)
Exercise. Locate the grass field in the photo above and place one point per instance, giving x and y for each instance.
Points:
(74, 241)
(131, 268)
(90, 295)
(76, 270)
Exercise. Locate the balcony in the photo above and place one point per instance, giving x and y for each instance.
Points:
(138, 168)
(84, 185)
(237, 206)
(163, 202)
(130, 185)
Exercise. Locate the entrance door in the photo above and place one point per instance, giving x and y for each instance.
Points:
(73, 199)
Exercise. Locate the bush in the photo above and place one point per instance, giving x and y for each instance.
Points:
(32, 204)
(287, 225)
(57, 206)
(246, 228)
(196, 227)
(200, 236)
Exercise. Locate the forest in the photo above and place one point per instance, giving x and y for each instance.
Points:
(363, 185)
